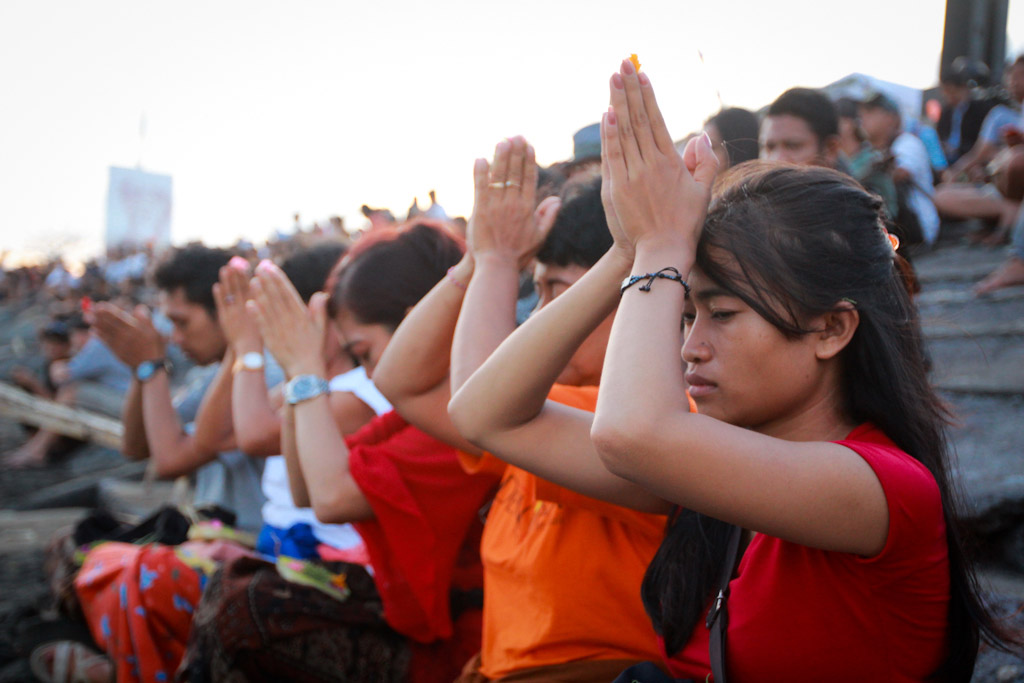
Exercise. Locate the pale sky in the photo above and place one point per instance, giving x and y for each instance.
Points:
(262, 109)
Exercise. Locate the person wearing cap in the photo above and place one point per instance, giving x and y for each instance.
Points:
(586, 152)
(912, 172)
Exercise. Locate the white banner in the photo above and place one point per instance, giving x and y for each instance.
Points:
(138, 208)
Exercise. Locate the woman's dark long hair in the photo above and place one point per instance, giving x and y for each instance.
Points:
(387, 272)
(794, 243)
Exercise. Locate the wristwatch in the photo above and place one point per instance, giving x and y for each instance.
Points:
(252, 360)
(146, 370)
(304, 387)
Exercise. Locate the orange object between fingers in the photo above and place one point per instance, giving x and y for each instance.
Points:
(636, 62)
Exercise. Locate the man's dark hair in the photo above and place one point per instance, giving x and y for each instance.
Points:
(194, 269)
(55, 331)
(738, 129)
(580, 234)
(813, 106)
(550, 180)
(848, 108)
(308, 268)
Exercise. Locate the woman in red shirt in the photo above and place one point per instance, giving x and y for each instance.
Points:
(817, 431)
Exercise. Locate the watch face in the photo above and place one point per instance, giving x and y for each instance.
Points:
(304, 387)
(148, 368)
(145, 370)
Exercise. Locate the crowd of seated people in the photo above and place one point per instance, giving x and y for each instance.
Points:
(713, 436)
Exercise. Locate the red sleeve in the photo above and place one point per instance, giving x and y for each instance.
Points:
(424, 504)
(917, 527)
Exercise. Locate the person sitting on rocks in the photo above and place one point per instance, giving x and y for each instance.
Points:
(916, 218)
(55, 345)
(93, 379)
(156, 421)
(967, 190)
(962, 115)
(1011, 272)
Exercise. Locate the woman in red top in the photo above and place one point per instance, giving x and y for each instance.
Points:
(417, 511)
(817, 430)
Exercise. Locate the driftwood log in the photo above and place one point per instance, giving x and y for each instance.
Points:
(52, 416)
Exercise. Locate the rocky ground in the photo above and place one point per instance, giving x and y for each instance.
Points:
(977, 349)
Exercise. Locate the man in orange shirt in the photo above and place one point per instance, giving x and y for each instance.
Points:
(562, 569)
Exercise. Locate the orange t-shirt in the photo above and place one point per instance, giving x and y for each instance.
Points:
(562, 571)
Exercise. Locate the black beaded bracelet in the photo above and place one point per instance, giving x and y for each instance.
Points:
(668, 273)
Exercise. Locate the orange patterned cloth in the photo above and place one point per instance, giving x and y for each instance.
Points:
(138, 601)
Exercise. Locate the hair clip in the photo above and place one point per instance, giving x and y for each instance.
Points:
(893, 239)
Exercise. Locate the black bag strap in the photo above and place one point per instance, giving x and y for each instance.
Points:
(718, 616)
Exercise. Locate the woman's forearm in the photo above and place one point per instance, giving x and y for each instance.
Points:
(504, 406)
(642, 377)
(257, 425)
(296, 477)
(512, 386)
(213, 428)
(133, 443)
(323, 457)
(488, 315)
(173, 452)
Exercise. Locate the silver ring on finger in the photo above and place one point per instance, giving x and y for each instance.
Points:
(512, 183)
(229, 299)
(497, 185)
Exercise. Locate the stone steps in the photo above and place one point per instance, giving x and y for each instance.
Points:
(976, 345)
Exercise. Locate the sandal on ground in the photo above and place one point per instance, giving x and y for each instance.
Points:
(71, 662)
